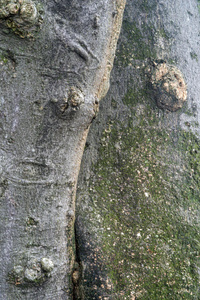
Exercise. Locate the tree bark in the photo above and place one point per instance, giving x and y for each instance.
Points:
(55, 61)
(137, 213)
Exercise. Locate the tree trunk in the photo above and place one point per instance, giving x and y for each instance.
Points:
(55, 60)
(137, 212)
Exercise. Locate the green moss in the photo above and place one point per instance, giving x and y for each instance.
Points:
(163, 33)
(146, 190)
(194, 56)
(114, 103)
(147, 6)
(198, 5)
(138, 46)
(31, 222)
(135, 96)
(140, 41)
(3, 59)
(144, 193)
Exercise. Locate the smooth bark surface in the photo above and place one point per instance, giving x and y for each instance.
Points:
(52, 79)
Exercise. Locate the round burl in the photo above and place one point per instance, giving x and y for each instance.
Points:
(169, 87)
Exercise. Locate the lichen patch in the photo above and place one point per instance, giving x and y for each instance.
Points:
(35, 272)
(23, 17)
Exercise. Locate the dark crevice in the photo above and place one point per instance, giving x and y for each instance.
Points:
(10, 55)
(77, 271)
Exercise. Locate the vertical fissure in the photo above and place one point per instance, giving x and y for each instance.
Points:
(77, 274)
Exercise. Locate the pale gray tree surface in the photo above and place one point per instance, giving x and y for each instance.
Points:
(55, 60)
(137, 206)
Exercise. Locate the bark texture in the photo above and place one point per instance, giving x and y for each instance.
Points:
(137, 214)
(55, 60)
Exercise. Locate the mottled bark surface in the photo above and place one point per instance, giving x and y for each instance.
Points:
(55, 59)
(137, 215)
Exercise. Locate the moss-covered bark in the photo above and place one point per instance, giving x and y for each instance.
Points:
(145, 203)
(138, 207)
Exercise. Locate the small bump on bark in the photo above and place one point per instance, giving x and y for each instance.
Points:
(47, 264)
(23, 17)
(169, 87)
(76, 98)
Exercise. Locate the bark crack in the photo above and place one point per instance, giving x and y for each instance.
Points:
(77, 271)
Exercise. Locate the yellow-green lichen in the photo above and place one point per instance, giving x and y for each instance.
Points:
(23, 17)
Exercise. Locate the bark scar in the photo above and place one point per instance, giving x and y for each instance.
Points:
(76, 44)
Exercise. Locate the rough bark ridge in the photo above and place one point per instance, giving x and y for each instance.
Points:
(137, 216)
(55, 60)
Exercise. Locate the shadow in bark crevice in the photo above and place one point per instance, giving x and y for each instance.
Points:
(77, 274)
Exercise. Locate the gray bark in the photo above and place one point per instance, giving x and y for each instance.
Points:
(137, 213)
(55, 60)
